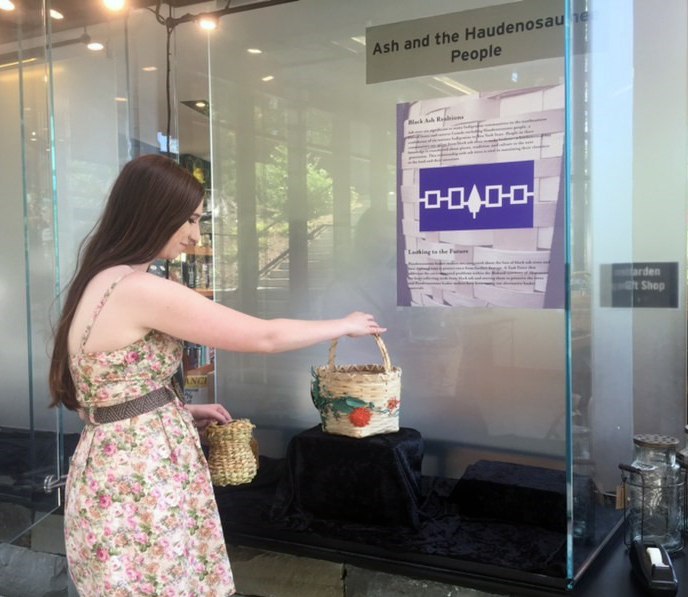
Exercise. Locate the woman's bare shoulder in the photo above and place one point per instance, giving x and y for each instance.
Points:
(142, 281)
(111, 275)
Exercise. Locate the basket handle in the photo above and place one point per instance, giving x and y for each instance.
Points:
(386, 362)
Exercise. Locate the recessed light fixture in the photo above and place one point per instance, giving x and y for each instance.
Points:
(95, 46)
(200, 104)
(6, 5)
(121, 99)
(268, 78)
(114, 5)
(149, 69)
(254, 51)
(56, 14)
(207, 23)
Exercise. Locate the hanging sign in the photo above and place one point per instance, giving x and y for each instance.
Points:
(480, 38)
(646, 284)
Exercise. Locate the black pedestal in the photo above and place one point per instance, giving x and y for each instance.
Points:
(373, 480)
(513, 493)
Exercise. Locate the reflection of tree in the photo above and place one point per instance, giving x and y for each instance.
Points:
(272, 180)
(272, 225)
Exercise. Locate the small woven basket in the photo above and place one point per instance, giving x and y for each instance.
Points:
(233, 458)
(357, 400)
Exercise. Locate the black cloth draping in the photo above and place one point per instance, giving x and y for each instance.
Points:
(373, 480)
(511, 493)
(367, 496)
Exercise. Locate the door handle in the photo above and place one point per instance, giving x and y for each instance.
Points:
(51, 483)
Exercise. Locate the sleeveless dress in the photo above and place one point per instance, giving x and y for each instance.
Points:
(140, 513)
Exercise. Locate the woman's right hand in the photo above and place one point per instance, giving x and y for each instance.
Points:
(363, 324)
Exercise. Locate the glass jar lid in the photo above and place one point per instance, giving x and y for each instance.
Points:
(654, 440)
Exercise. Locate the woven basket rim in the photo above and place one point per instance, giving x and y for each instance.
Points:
(357, 372)
(386, 361)
(363, 368)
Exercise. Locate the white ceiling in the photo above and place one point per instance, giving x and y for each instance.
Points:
(307, 45)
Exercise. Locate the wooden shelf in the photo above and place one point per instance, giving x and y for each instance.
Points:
(207, 251)
(208, 292)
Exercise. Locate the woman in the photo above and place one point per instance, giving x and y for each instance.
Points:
(140, 514)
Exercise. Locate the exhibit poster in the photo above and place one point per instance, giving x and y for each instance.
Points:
(480, 200)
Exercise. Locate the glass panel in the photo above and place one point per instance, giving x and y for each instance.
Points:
(107, 108)
(29, 436)
(358, 170)
(306, 154)
(72, 116)
(627, 147)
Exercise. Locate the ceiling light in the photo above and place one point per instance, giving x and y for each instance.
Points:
(6, 5)
(114, 5)
(449, 82)
(254, 51)
(149, 69)
(359, 39)
(16, 62)
(268, 78)
(208, 23)
(121, 99)
(95, 46)
(56, 14)
(200, 104)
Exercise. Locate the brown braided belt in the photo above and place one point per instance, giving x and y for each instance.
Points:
(131, 408)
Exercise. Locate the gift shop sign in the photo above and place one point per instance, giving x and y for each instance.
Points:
(640, 285)
(480, 38)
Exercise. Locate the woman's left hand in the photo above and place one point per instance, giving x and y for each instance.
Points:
(205, 414)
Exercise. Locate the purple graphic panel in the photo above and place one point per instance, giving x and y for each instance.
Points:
(477, 197)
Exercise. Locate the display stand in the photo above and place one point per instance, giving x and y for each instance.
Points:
(374, 480)
(513, 493)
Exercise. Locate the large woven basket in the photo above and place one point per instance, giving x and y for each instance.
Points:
(233, 457)
(357, 400)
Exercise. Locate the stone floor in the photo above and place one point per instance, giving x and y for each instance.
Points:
(257, 573)
(34, 566)
(260, 573)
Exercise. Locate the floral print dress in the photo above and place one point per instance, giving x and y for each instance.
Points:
(140, 513)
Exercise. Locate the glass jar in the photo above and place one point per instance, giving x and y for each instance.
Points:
(654, 492)
(682, 458)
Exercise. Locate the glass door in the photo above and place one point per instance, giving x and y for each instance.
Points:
(31, 441)
(82, 92)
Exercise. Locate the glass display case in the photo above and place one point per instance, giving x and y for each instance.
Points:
(314, 210)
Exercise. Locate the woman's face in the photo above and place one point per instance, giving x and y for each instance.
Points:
(187, 236)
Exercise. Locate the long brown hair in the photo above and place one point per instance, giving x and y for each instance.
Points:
(149, 201)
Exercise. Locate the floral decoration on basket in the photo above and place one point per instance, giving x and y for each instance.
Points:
(233, 457)
(357, 400)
